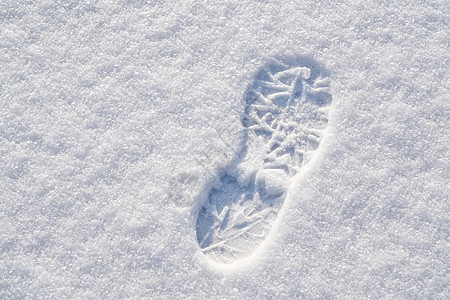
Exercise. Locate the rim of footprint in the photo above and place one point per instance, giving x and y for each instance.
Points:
(286, 112)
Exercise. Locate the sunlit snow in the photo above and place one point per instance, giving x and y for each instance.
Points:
(117, 118)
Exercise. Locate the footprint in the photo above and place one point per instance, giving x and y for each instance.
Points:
(285, 117)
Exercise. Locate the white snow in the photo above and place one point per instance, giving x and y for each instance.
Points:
(116, 117)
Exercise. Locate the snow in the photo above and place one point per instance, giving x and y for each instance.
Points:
(116, 116)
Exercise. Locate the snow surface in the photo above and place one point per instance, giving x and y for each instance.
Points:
(116, 116)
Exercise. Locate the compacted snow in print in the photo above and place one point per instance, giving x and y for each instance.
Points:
(224, 150)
